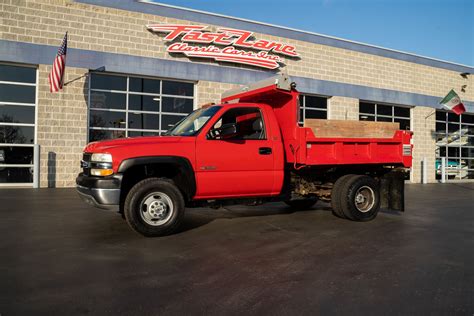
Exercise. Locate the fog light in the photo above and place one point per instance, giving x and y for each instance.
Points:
(102, 172)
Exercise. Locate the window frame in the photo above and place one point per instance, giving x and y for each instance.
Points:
(127, 110)
(239, 139)
(302, 106)
(392, 117)
(456, 143)
(34, 125)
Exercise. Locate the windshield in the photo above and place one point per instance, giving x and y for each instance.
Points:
(192, 123)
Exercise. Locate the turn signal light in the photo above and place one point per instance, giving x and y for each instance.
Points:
(102, 172)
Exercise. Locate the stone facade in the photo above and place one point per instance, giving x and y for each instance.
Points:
(118, 31)
(61, 127)
(341, 108)
(423, 126)
(62, 117)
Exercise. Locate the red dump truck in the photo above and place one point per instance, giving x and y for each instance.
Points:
(249, 149)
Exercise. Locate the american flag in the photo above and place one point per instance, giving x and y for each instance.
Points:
(56, 76)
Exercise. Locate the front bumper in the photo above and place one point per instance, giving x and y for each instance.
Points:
(101, 192)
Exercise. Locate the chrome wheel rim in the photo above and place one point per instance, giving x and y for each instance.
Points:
(156, 209)
(364, 199)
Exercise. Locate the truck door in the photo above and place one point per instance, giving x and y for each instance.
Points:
(234, 156)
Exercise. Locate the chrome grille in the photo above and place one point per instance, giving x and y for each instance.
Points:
(86, 164)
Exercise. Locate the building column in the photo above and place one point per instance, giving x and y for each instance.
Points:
(61, 127)
(342, 108)
(423, 123)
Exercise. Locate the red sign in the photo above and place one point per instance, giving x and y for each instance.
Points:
(260, 53)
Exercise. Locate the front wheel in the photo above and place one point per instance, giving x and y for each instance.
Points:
(154, 207)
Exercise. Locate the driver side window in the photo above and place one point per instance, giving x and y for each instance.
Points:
(239, 124)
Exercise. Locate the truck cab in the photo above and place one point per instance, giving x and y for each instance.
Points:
(248, 149)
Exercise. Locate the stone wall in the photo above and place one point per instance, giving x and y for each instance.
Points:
(61, 127)
(117, 31)
(341, 108)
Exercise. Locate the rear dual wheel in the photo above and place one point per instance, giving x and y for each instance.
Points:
(356, 197)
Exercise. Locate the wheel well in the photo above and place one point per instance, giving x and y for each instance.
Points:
(168, 170)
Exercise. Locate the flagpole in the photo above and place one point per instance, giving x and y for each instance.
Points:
(434, 111)
(100, 69)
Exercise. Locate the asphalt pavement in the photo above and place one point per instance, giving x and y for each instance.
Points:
(59, 256)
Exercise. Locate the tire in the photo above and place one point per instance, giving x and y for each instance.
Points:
(154, 207)
(336, 195)
(360, 198)
(303, 204)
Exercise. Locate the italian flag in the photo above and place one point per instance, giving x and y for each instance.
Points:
(453, 102)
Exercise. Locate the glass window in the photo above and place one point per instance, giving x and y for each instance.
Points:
(145, 85)
(144, 103)
(168, 121)
(108, 82)
(455, 142)
(140, 134)
(401, 111)
(17, 94)
(312, 107)
(137, 105)
(17, 114)
(143, 121)
(366, 108)
(440, 127)
(441, 116)
(10, 175)
(16, 155)
(178, 88)
(17, 74)
(108, 100)
(385, 113)
(192, 124)
(107, 119)
(95, 134)
(310, 114)
(315, 102)
(17, 134)
(404, 124)
(468, 119)
(248, 124)
(17, 123)
(177, 105)
(384, 119)
(364, 117)
(384, 109)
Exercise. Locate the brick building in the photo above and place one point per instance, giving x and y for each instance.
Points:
(122, 81)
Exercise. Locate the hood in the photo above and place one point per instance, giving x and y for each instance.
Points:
(113, 144)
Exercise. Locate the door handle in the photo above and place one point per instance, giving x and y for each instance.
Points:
(265, 151)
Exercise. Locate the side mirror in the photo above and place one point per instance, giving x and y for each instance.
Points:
(228, 130)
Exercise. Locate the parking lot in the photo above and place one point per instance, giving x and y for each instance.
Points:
(62, 257)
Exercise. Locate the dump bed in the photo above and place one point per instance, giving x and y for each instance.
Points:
(325, 142)
(333, 142)
(314, 150)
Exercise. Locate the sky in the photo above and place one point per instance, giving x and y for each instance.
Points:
(441, 29)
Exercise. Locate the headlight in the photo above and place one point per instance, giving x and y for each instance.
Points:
(101, 165)
(101, 158)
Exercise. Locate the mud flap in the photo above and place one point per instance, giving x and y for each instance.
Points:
(392, 191)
